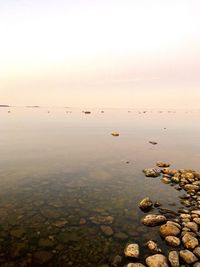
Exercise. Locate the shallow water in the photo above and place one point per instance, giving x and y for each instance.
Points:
(63, 174)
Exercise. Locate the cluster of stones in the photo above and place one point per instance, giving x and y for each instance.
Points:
(182, 233)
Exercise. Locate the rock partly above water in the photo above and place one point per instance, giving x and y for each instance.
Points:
(154, 219)
(151, 172)
(146, 203)
(157, 260)
(132, 251)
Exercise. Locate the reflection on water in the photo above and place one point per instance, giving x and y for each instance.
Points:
(69, 190)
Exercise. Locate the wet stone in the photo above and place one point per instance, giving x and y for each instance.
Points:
(17, 233)
(132, 251)
(173, 258)
(145, 204)
(117, 261)
(136, 264)
(153, 247)
(121, 236)
(189, 241)
(162, 164)
(192, 225)
(107, 230)
(82, 221)
(154, 219)
(169, 230)
(102, 219)
(157, 260)
(151, 172)
(172, 241)
(18, 249)
(196, 251)
(188, 256)
(41, 257)
(60, 223)
(45, 242)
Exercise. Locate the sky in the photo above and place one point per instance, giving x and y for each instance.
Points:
(100, 53)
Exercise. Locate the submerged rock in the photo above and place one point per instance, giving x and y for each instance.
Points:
(42, 257)
(154, 219)
(117, 261)
(151, 172)
(132, 251)
(145, 204)
(17, 233)
(157, 260)
(107, 230)
(102, 219)
(121, 236)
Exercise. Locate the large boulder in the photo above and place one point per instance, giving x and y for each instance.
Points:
(154, 219)
(157, 260)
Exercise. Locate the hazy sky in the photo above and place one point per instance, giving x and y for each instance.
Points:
(100, 53)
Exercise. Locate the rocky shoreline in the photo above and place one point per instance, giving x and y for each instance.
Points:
(179, 230)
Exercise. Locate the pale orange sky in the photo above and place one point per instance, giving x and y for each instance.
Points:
(136, 53)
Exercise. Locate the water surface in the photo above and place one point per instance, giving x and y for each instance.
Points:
(63, 176)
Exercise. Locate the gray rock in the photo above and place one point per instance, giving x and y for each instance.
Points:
(157, 260)
(188, 256)
(154, 219)
(132, 250)
(174, 258)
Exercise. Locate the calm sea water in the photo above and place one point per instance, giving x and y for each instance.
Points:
(63, 176)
